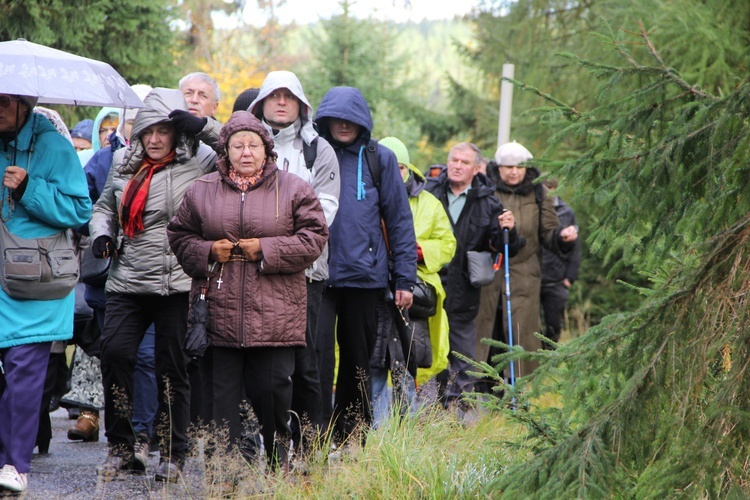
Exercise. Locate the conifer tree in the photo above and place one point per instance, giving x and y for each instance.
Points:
(133, 36)
(654, 402)
(357, 53)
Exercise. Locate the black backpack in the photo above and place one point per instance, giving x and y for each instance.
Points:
(310, 152)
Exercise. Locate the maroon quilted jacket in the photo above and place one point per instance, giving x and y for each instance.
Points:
(258, 304)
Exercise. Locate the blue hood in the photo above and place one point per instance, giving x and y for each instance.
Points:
(345, 103)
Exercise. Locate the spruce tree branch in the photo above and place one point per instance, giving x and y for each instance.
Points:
(541, 431)
(668, 72)
(626, 54)
(543, 95)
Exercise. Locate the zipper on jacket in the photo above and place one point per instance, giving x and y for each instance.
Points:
(242, 281)
(170, 212)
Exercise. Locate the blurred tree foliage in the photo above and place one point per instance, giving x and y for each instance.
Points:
(134, 37)
(198, 14)
(357, 53)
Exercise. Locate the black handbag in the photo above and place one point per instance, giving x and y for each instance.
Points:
(94, 271)
(424, 300)
(196, 339)
(421, 345)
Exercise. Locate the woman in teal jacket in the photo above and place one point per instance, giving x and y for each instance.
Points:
(44, 192)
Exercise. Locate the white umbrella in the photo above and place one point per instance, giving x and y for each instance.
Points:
(58, 77)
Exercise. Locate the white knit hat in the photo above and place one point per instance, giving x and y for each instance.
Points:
(512, 154)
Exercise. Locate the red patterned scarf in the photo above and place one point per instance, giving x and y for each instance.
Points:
(243, 183)
(136, 192)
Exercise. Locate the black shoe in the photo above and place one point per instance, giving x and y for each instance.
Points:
(167, 471)
(43, 447)
(54, 403)
(113, 465)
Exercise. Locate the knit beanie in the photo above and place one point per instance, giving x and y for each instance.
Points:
(245, 99)
(512, 154)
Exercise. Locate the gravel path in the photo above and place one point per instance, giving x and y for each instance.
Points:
(69, 471)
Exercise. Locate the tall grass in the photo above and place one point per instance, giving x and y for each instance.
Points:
(428, 455)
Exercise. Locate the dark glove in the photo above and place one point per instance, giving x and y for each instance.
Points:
(186, 123)
(103, 247)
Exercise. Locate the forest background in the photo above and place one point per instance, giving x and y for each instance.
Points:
(641, 110)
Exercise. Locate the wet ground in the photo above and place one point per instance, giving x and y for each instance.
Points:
(69, 471)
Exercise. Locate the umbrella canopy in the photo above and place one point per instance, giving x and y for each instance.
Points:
(58, 77)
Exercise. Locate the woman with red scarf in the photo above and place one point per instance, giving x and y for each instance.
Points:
(146, 284)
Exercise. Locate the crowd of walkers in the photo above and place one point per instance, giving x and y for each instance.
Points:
(325, 260)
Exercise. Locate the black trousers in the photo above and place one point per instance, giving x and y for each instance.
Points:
(463, 340)
(128, 316)
(554, 299)
(306, 399)
(348, 315)
(265, 376)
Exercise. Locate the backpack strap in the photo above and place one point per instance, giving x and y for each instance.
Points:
(310, 151)
(539, 195)
(373, 162)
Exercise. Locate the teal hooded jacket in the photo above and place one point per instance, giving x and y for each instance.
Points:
(55, 199)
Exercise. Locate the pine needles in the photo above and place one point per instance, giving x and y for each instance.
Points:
(654, 403)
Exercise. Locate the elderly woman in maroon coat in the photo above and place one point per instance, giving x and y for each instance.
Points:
(247, 232)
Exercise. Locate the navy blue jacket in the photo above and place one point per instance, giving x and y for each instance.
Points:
(97, 170)
(358, 256)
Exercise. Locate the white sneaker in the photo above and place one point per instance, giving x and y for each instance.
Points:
(11, 480)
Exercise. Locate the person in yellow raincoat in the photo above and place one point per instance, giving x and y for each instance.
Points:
(435, 248)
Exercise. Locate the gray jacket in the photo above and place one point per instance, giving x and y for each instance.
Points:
(145, 264)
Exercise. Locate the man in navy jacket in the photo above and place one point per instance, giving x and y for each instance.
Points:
(358, 271)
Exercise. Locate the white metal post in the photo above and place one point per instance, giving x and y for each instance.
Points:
(506, 105)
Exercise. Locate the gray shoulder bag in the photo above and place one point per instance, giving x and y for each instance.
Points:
(481, 268)
(37, 268)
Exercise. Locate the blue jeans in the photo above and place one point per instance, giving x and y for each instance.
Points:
(382, 396)
(145, 391)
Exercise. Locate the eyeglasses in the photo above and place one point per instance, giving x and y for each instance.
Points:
(239, 147)
(6, 101)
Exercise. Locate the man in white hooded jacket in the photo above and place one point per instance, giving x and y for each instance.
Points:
(282, 106)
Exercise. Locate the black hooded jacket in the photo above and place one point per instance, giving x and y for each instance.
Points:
(476, 229)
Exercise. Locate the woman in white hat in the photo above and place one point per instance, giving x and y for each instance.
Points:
(536, 221)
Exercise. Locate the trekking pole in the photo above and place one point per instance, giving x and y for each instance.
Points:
(506, 257)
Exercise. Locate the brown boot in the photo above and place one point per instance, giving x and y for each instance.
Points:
(86, 427)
